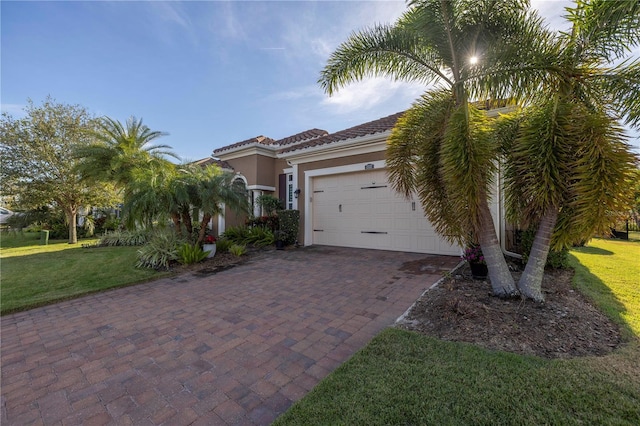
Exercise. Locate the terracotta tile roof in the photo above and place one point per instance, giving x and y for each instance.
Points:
(263, 140)
(370, 128)
(301, 137)
(209, 160)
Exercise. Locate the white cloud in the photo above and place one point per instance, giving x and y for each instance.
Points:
(225, 24)
(553, 11)
(370, 93)
(172, 12)
(167, 19)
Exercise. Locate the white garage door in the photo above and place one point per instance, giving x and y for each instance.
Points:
(362, 210)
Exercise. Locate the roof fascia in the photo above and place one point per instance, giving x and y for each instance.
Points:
(253, 148)
(360, 145)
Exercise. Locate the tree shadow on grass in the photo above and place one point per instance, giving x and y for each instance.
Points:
(593, 250)
(601, 295)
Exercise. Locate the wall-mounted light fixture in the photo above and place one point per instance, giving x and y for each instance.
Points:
(296, 192)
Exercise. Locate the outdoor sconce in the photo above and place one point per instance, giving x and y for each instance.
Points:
(296, 192)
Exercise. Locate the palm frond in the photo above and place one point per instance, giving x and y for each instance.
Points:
(392, 51)
(467, 159)
(605, 29)
(413, 160)
(620, 86)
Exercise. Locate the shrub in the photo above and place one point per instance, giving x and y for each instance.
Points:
(59, 230)
(289, 224)
(124, 238)
(260, 237)
(236, 234)
(269, 203)
(257, 236)
(555, 259)
(222, 245)
(238, 250)
(270, 222)
(160, 251)
(191, 253)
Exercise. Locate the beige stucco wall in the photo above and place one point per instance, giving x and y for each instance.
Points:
(247, 166)
(265, 175)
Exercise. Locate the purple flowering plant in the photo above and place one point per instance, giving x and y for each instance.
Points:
(473, 254)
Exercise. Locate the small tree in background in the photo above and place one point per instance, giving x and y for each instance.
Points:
(38, 162)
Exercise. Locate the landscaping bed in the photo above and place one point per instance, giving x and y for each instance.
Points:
(463, 309)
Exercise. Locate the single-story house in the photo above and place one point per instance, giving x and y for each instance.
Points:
(339, 184)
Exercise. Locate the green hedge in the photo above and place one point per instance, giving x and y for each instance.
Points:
(289, 223)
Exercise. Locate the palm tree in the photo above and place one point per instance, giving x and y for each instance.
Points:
(122, 151)
(213, 190)
(119, 150)
(441, 147)
(567, 165)
(151, 198)
(175, 193)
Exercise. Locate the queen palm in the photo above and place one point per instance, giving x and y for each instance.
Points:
(568, 168)
(119, 152)
(120, 149)
(441, 147)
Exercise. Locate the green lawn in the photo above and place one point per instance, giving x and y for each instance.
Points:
(33, 275)
(406, 378)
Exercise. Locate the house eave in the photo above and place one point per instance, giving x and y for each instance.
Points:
(361, 145)
(246, 151)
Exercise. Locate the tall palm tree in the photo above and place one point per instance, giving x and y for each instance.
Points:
(568, 167)
(120, 149)
(441, 147)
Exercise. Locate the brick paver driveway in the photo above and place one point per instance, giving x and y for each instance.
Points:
(237, 347)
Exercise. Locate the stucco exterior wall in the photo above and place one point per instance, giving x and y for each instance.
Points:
(247, 166)
(266, 174)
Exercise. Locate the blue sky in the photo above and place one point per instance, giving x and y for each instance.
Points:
(208, 73)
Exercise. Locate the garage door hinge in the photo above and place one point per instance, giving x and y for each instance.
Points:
(318, 191)
(373, 232)
(318, 230)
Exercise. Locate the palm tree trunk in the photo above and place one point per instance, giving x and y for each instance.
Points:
(186, 221)
(502, 282)
(530, 283)
(175, 217)
(203, 227)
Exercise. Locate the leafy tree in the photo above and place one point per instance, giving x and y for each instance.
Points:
(568, 168)
(38, 166)
(441, 147)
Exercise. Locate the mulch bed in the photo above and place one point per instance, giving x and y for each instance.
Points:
(462, 309)
(217, 263)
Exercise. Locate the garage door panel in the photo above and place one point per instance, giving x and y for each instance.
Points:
(362, 210)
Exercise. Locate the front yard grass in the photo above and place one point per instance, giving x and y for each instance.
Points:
(402, 377)
(33, 275)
